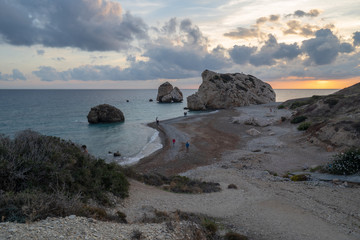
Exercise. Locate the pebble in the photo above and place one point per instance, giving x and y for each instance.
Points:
(73, 227)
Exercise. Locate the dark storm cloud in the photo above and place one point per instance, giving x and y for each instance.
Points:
(324, 48)
(301, 13)
(88, 25)
(356, 38)
(16, 75)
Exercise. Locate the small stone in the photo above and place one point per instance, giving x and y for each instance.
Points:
(72, 217)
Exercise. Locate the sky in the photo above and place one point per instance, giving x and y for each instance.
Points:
(133, 44)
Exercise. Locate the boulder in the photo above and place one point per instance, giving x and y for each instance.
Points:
(105, 113)
(167, 93)
(176, 95)
(229, 90)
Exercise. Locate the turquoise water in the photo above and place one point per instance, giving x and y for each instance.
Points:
(62, 113)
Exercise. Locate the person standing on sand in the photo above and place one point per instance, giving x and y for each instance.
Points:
(157, 121)
(187, 145)
(174, 142)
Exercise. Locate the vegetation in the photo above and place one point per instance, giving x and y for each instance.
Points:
(210, 226)
(300, 177)
(298, 104)
(43, 176)
(177, 184)
(304, 126)
(234, 236)
(232, 186)
(346, 163)
(281, 106)
(298, 119)
(331, 101)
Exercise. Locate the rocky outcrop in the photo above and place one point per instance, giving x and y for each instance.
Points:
(167, 93)
(105, 113)
(334, 119)
(228, 90)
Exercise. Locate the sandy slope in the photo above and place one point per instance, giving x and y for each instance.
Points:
(263, 206)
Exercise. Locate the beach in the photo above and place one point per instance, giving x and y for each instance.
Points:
(265, 205)
(226, 149)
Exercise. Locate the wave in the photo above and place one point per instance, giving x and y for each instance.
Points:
(152, 146)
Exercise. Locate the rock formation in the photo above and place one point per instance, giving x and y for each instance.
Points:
(167, 94)
(335, 118)
(228, 90)
(105, 113)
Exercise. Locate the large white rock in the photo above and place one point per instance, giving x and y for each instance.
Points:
(229, 90)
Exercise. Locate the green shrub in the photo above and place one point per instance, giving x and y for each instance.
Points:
(210, 226)
(281, 106)
(346, 163)
(298, 178)
(297, 104)
(35, 167)
(298, 119)
(331, 101)
(234, 236)
(304, 126)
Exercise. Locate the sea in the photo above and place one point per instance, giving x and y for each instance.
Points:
(63, 113)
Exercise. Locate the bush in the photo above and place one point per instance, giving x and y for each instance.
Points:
(177, 184)
(346, 163)
(298, 178)
(281, 106)
(331, 101)
(234, 236)
(210, 226)
(35, 168)
(297, 104)
(232, 186)
(298, 119)
(304, 126)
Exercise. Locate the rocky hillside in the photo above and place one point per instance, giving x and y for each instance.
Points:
(335, 118)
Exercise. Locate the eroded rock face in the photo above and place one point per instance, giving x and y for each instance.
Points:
(228, 90)
(167, 93)
(335, 118)
(105, 113)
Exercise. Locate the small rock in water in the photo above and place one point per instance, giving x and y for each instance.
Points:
(117, 154)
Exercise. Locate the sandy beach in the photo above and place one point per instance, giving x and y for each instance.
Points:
(265, 205)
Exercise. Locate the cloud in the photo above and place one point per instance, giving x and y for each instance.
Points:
(297, 28)
(91, 25)
(243, 33)
(59, 59)
(266, 55)
(356, 38)
(182, 54)
(16, 75)
(301, 13)
(324, 48)
(241, 54)
(40, 52)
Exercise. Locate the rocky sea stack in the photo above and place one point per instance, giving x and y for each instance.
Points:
(105, 113)
(167, 93)
(219, 91)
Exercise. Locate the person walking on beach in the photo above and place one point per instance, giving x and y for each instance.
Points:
(174, 142)
(187, 145)
(157, 121)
